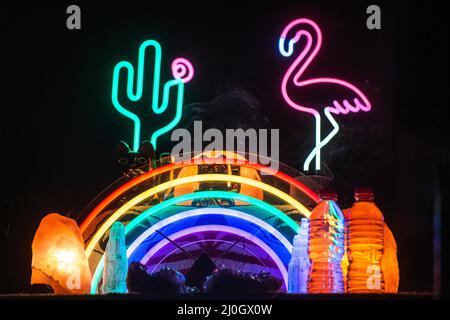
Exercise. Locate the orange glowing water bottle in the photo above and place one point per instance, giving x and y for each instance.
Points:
(365, 244)
(326, 246)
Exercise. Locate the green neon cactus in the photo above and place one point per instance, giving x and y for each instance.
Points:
(182, 71)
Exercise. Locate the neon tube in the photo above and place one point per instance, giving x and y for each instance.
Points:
(250, 237)
(198, 195)
(209, 240)
(191, 213)
(148, 175)
(182, 69)
(213, 194)
(321, 144)
(295, 73)
(228, 229)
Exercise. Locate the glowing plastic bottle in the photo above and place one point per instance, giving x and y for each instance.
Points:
(326, 246)
(299, 264)
(365, 244)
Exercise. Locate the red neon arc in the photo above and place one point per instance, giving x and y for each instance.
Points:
(130, 184)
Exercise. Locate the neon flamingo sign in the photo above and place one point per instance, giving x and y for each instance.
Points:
(182, 71)
(295, 74)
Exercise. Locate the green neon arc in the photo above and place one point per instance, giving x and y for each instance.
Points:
(192, 196)
(135, 96)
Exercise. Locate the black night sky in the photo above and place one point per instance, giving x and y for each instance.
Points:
(59, 127)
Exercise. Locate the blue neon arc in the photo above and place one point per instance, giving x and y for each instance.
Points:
(190, 218)
(134, 92)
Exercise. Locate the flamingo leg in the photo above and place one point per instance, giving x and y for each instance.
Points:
(320, 144)
(333, 122)
(318, 137)
(316, 151)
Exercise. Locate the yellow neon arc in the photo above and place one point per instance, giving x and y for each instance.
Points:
(198, 178)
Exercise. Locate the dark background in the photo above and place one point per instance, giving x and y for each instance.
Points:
(59, 127)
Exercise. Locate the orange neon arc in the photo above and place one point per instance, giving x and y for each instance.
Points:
(130, 184)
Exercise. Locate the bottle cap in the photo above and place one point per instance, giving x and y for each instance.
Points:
(328, 194)
(297, 240)
(364, 194)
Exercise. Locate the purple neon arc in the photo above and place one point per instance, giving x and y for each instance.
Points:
(220, 228)
(240, 254)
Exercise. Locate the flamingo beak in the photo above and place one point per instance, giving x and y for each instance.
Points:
(290, 50)
(281, 47)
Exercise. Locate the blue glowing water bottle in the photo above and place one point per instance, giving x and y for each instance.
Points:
(326, 246)
(299, 264)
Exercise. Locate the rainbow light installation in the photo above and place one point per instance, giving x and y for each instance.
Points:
(248, 236)
(295, 73)
(198, 195)
(182, 71)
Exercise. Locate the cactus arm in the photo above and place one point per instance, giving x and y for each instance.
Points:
(156, 77)
(183, 72)
(166, 96)
(115, 101)
(178, 111)
(135, 96)
(156, 72)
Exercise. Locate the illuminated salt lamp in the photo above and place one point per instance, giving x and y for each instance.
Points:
(59, 258)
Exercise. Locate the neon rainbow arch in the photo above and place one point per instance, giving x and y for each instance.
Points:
(281, 266)
(301, 28)
(238, 211)
(178, 218)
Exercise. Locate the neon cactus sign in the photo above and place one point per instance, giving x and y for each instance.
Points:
(182, 71)
(295, 74)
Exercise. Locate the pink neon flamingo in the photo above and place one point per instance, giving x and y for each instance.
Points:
(295, 72)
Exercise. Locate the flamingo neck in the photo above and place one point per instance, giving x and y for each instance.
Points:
(297, 69)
